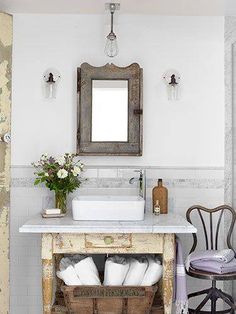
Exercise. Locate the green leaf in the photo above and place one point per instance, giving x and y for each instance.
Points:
(37, 181)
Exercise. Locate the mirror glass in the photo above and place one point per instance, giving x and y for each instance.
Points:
(109, 111)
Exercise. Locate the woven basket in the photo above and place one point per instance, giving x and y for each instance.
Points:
(108, 300)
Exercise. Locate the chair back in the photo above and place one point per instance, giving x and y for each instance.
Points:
(211, 228)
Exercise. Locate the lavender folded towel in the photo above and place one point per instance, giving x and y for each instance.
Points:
(215, 267)
(221, 256)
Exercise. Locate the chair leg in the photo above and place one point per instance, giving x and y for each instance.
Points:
(233, 306)
(200, 306)
(213, 294)
(213, 304)
(214, 297)
(227, 299)
(194, 294)
(230, 298)
(227, 295)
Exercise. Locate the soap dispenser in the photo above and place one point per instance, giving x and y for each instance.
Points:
(160, 194)
(157, 208)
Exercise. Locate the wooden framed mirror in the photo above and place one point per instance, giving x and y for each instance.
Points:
(110, 110)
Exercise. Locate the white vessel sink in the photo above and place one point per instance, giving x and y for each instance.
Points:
(104, 207)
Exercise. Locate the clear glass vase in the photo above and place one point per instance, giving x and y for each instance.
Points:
(60, 201)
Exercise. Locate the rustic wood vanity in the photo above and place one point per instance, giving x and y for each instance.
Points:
(155, 234)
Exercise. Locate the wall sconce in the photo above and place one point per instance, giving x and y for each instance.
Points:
(172, 81)
(111, 47)
(51, 78)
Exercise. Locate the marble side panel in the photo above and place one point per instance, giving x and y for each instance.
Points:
(230, 135)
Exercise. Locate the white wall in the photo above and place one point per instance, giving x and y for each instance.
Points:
(185, 133)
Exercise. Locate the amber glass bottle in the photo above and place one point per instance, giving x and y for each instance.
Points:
(160, 193)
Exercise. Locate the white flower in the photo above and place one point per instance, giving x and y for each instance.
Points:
(36, 164)
(46, 174)
(60, 160)
(76, 171)
(80, 165)
(62, 173)
(44, 157)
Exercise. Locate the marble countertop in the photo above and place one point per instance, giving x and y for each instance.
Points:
(169, 223)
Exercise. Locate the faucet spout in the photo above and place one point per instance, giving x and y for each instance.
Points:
(142, 182)
(132, 180)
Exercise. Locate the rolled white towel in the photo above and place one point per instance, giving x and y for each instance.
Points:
(137, 269)
(67, 273)
(116, 268)
(77, 258)
(64, 263)
(87, 272)
(153, 273)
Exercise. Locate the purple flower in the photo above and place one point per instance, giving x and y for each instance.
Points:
(51, 160)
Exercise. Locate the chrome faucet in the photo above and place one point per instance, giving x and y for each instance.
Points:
(142, 182)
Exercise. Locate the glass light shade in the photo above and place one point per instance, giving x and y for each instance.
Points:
(111, 47)
(173, 92)
(50, 90)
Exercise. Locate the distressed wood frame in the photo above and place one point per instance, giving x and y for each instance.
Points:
(134, 74)
(5, 125)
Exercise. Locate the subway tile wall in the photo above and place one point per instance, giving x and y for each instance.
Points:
(186, 186)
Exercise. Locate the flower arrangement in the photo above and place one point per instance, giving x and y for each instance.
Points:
(61, 174)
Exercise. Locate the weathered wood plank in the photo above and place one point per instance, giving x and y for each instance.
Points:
(47, 273)
(76, 243)
(168, 271)
(5, 124)
(108, 240)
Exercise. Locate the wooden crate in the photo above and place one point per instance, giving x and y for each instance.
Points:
(109, 300)
(59, 309)
(157, 309)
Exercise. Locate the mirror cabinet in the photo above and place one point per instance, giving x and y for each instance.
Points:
(109, 110)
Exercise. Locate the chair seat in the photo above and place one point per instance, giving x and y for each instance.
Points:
(210, 276)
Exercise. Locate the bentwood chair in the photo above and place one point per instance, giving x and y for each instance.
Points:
(211, 232)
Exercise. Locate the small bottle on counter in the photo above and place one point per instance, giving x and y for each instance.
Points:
(160, 193)
(157, 208)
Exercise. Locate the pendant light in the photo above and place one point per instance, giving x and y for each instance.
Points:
(111, 47)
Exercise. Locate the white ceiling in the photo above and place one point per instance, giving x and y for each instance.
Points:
(161, 7)
(230, 7)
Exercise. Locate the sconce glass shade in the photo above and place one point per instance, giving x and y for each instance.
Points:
(50, 90)
(51, 78)
(173, 92)
(111, 47)
(172, 80)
